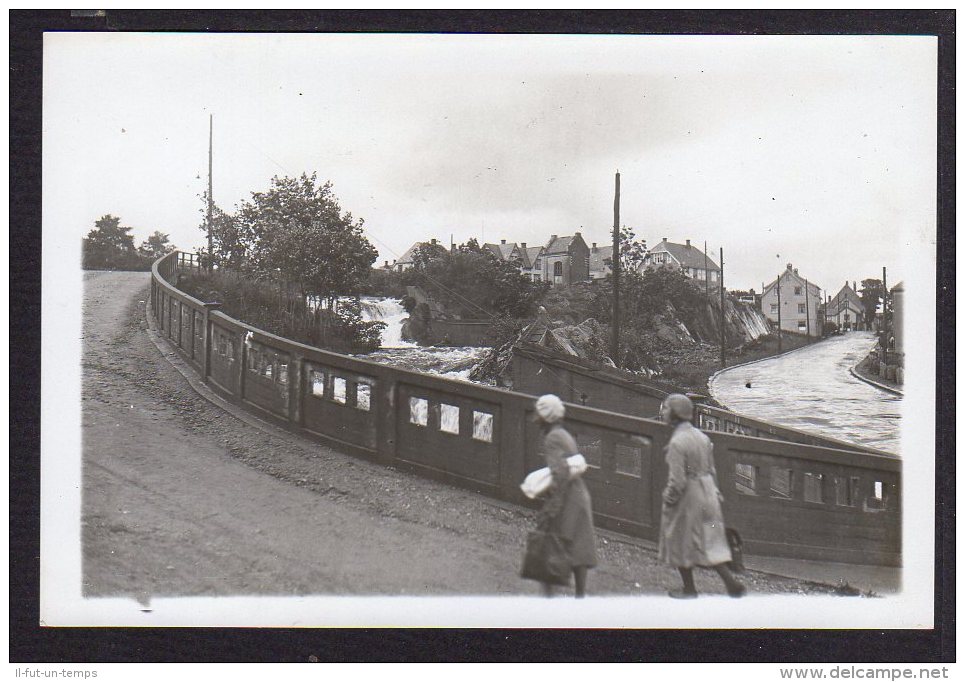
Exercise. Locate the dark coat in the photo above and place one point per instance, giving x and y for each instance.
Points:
(568, 505)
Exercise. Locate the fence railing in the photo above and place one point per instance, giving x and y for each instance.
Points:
(785, 499)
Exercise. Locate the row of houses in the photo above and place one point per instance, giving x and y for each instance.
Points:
(790, 301)
(566, 260)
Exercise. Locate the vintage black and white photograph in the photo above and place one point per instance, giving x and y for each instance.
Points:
(383, 329)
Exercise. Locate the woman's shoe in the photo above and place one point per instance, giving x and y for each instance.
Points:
(737, 591)
(682, 594)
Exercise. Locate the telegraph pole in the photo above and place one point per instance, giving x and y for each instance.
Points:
(210, 190)
(807, 308)
(779, 312)
(706, 273)
(615, 266)
(723, 321)
(884, 300)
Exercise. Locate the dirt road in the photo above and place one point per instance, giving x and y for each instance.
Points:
(182, 498)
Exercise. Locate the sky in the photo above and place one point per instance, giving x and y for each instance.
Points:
(815, 151)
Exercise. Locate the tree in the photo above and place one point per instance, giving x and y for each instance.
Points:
(872, 294)
(471, 281)
(632, 251)
(111, 246)
(155, 246)
(297, 230)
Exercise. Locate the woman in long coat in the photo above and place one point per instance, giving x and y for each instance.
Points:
(568, 506)
(692, 527)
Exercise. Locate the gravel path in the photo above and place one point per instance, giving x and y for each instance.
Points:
(182, 498)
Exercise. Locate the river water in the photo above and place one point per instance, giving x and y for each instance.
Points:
(812, 390)
(454, 362)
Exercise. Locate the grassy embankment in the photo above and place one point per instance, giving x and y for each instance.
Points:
(691, 369)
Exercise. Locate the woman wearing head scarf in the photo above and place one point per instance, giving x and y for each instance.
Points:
(567, 509)
(692, 527)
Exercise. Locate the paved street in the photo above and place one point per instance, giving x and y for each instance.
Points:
(812, 390)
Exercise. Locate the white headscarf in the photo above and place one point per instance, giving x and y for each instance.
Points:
(550, 408)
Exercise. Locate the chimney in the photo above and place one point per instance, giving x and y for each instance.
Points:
(688, 243)
(502, 241)
(795, 271)
(522, 246)
(433, 241)
(593, 248)
(789, 266)
(854, 286)
(665, 239)
(386, 263)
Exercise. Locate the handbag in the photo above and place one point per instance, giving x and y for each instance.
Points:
(736, 563)
(547, 559)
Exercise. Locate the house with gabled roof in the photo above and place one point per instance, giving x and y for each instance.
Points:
(531, 261)
(407, 259)
(846, 309)
(794, 301)
(600, 261)
(566, 260)
(504, 251)
(694, 262)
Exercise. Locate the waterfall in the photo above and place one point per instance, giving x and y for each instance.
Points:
(390, 311)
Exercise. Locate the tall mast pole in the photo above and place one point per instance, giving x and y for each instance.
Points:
(779, 312)
(723, 321)
(807, 308)
(706, 273)
(884, 301)
(615, 266)
(210, 190)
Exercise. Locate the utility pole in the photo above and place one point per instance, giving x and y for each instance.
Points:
(779, 312)
(615, 266)
(706, 273)
(884, 301)
(807, 308)
(210, 190)
(723, 321)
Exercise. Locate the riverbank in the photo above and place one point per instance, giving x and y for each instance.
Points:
(863, 371)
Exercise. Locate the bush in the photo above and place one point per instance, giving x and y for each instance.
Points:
(282, 309)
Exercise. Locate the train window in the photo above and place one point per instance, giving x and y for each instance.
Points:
(628, 460)
(592, 453)
(363, 396)
(846, 490)
(448, 418)
(338, 390)
(482, 426)
(781, 480)
(876, 501)
(418, 411)
(745, 479)
(318, 383)
(813, 488)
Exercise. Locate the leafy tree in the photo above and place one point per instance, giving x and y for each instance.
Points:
(472, 282)
(111, 246)
(155, 246)
(297, 230)
(872, 293)
(632, 251)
